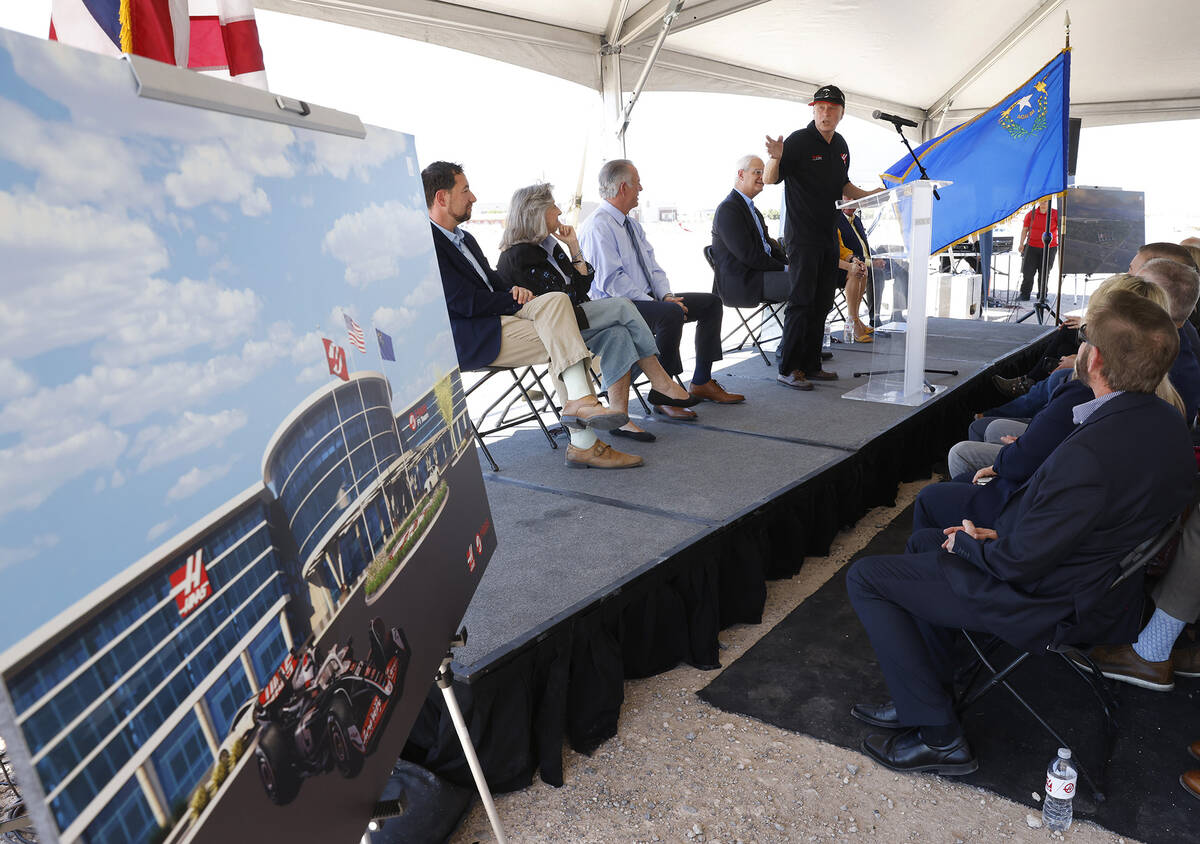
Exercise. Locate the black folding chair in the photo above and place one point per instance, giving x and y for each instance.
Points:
(981, 675)
(533, 393)
(766, 310)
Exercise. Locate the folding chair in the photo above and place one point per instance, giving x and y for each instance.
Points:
(1072, 653)
(517, 391)
(765, 311)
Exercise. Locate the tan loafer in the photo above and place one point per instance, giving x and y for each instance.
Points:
(576, 414)
(601, 456)
(710, 390)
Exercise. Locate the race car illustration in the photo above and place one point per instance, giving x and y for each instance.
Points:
(324, 711)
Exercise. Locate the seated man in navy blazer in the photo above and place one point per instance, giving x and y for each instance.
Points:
(497, 324)
(1043, 573)
(751, 265)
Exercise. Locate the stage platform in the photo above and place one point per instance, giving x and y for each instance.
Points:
(602, 576)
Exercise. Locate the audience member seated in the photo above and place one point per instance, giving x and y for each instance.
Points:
(988, 436)
(1182, 286)
(1065, 341)
(498, 324)
(1050, 556)
(749, 262)
(1157, 657)
(532, 256)
(616, 245)
(980, 496)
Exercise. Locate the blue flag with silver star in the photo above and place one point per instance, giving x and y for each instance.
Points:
(385, 345)
(1013, 154)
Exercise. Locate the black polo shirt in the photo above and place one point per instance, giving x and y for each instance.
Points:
(814, 173)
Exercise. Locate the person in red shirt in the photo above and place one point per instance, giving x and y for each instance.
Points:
(1030, 247)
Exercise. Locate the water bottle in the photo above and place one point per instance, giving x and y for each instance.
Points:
(1061, 777)
(826, 340)
(848, 332)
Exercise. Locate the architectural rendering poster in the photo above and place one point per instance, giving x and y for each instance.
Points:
(241, 516)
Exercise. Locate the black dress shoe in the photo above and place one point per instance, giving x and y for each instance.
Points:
(662, 399)
(638, 436)
(826, 355)
(907, 752)
(883, 715)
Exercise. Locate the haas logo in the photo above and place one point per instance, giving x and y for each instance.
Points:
(190, 584)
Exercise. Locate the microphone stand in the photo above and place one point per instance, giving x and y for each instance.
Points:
(916, 160)
(1041, 307)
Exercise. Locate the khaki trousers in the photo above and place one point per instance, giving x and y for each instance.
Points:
(1177, 592)
(544, 330)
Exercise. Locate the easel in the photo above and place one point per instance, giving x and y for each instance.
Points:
(163, 82)
(444, 678)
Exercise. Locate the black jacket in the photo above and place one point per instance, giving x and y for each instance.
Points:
(474, 310)
(527, 265)
(738, 253)
(1115, 480)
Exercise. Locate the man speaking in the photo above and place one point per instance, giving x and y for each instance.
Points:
(814, 164)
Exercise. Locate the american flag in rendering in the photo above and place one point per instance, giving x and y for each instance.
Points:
(357, 340)
(217, 37)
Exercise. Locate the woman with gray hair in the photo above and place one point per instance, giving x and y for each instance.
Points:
(533, 257)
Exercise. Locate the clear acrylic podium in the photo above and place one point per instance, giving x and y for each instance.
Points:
(899, 223)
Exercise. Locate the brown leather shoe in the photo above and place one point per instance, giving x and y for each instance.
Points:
(590, 413)
(710, 390)
(1194, 749)
(1190, 780)
(822, 375)
(600, 456)
(1121, 663)
(1186, 659)
(679, 414)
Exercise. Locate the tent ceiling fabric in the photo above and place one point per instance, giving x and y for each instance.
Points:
(1129, 63)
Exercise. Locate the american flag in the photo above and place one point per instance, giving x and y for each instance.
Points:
(357, 340)
(216, 37)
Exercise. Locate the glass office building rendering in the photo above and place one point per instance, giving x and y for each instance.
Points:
(125, 705)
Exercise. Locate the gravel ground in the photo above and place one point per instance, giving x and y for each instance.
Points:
(680, 770)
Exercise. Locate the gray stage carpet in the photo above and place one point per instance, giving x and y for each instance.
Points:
(567, 537)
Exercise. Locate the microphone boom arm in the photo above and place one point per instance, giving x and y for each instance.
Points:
(916, 160)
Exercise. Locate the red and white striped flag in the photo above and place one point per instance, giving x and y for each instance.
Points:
(224, 41)
(217, 37)
(356, 334)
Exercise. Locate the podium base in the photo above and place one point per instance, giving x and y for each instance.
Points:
(893, 394)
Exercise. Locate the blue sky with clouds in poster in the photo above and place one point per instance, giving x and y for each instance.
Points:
(168, 274)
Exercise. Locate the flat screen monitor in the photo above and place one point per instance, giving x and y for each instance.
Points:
(1104, 229)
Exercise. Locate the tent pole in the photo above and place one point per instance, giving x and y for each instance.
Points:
(672, 12)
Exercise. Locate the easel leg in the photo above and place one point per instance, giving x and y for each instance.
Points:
(445, 681)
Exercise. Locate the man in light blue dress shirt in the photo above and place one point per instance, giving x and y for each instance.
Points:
(616, 246)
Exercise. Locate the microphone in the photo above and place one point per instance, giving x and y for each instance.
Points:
(893, 119)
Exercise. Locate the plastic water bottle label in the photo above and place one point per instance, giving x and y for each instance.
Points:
(1064, 789)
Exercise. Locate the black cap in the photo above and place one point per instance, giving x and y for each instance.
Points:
(829, 94)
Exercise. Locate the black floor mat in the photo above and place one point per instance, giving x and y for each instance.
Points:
(807, 672)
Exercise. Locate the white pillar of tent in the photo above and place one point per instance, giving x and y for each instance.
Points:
(613, 143)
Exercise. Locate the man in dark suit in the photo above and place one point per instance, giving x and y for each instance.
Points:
(1043, 574)
(498, 324)
(751, 265)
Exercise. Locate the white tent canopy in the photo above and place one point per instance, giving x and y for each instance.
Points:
(1130, 62)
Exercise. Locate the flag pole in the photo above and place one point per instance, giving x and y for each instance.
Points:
(1062, 199)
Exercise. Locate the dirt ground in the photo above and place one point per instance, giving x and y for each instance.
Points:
(680, 770)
